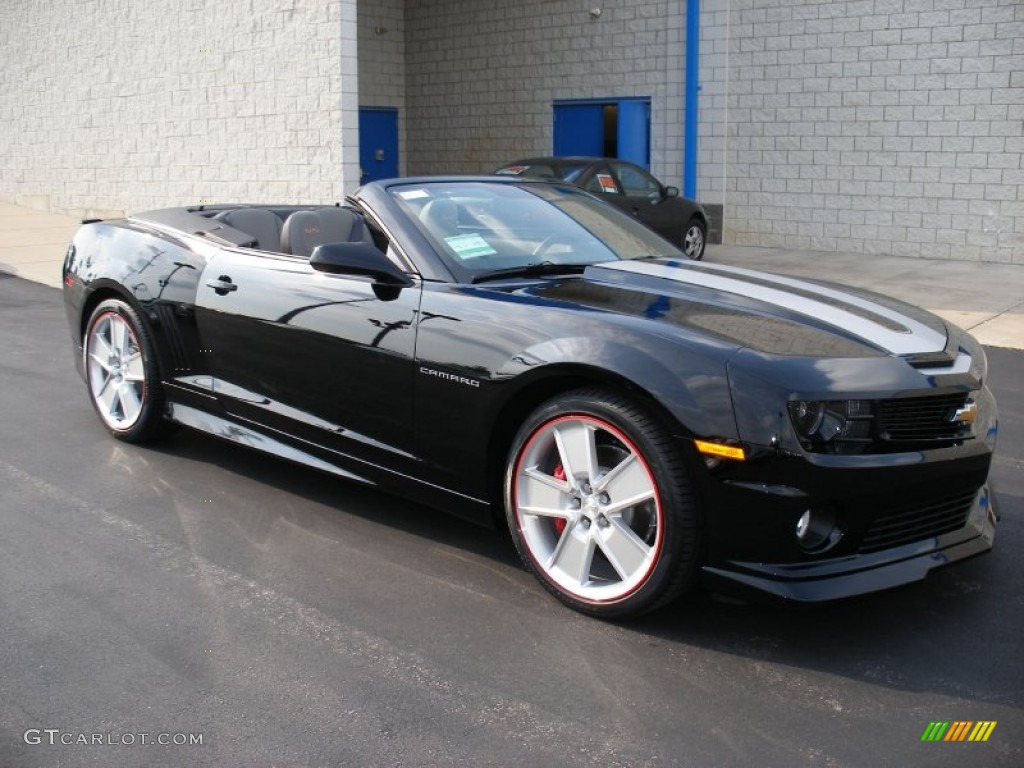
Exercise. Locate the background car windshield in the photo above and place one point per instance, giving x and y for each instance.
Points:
(566, 171)
(482, 227)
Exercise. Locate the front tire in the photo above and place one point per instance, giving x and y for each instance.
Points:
(694, 239)
(121, 373)
(599, 505)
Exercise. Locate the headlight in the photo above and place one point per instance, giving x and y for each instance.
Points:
(832, 425)
(807, 416)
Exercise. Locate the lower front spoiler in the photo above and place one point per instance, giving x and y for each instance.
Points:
(859, 574)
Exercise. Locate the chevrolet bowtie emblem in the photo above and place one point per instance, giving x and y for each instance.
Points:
(966, 415)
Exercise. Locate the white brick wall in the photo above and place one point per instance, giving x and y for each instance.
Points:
(482, 77)
(382, 62)
(114, 105)
(881, 126)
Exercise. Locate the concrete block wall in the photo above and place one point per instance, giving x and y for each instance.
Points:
(482, 77)
(113, 105)
(875, 126)
(382, 62)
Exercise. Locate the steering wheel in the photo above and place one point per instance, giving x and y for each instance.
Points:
(550, 240)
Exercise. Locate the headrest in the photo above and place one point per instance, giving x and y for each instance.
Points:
(305, 230)
(263, 225)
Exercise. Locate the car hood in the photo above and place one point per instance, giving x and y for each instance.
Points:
(769, 313)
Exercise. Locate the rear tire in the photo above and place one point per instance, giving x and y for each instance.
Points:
(599, 505)
(694, 239)
(121, 374)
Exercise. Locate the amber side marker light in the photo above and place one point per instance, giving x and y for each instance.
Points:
(720, 450)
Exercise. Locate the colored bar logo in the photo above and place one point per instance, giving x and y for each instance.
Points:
(958, 730)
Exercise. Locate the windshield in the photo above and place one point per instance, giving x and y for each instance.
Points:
(566, 171)
(482, 227)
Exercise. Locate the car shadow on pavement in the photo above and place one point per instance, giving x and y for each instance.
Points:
(334, 498)
(940, 635)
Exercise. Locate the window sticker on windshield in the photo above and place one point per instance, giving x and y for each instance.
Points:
(607, 183)
(513, 170)
(469, 246)
(413, 194)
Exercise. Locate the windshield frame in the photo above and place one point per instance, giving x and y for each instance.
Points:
(409, 199)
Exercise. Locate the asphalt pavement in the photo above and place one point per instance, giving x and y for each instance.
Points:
(197, 590)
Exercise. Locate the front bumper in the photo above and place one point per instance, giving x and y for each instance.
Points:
(857, 574)
(899, 515)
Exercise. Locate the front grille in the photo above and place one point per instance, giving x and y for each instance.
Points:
(897, 425)
(909, 524)
(921, 419)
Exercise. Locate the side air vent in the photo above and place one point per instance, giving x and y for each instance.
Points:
(169, 328)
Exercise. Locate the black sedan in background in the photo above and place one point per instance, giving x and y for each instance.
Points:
(522, 354)
(631, 188)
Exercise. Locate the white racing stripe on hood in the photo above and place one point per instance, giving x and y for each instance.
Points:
(917, 338)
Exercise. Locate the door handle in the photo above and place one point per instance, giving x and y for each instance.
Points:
(222, 286)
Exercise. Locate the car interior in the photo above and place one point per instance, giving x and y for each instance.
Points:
(298, 232)
(481, 231)
(292, 230)
(478, 232)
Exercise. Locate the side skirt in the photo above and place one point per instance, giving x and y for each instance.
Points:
(467, 507)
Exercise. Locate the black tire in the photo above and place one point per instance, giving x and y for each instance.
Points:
(695, 238)
(124, 372)
(553, 517)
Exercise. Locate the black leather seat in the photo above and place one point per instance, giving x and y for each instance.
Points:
(264, 226)
(305, 230)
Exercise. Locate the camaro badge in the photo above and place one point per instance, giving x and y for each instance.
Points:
(967, 414)
(449, 377)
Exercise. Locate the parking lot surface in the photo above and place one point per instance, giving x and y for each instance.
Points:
(290, 619)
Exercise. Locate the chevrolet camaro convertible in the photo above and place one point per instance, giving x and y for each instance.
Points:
(520, 353)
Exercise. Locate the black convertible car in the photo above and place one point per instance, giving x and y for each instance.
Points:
(521, 354)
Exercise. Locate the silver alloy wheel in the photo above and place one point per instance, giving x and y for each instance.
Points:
(693, 243)
(587, 507)
(116, 371)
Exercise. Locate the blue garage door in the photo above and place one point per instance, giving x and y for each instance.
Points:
(604, 128)
(378, 143)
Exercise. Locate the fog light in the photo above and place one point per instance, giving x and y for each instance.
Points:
(816, 530)
(803, 524)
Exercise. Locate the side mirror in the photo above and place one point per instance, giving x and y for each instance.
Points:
(671, 191)
(358, 259)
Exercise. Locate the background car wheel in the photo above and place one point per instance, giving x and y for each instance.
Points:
(121, 373)
(599, 505)
(694, 239)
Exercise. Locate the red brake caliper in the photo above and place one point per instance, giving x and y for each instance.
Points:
(559, 474)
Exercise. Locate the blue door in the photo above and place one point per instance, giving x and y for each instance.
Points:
(579, 129)
(634, 125)
(378, 143)
(619, 128)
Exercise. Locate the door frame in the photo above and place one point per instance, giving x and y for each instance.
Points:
(638, 150)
